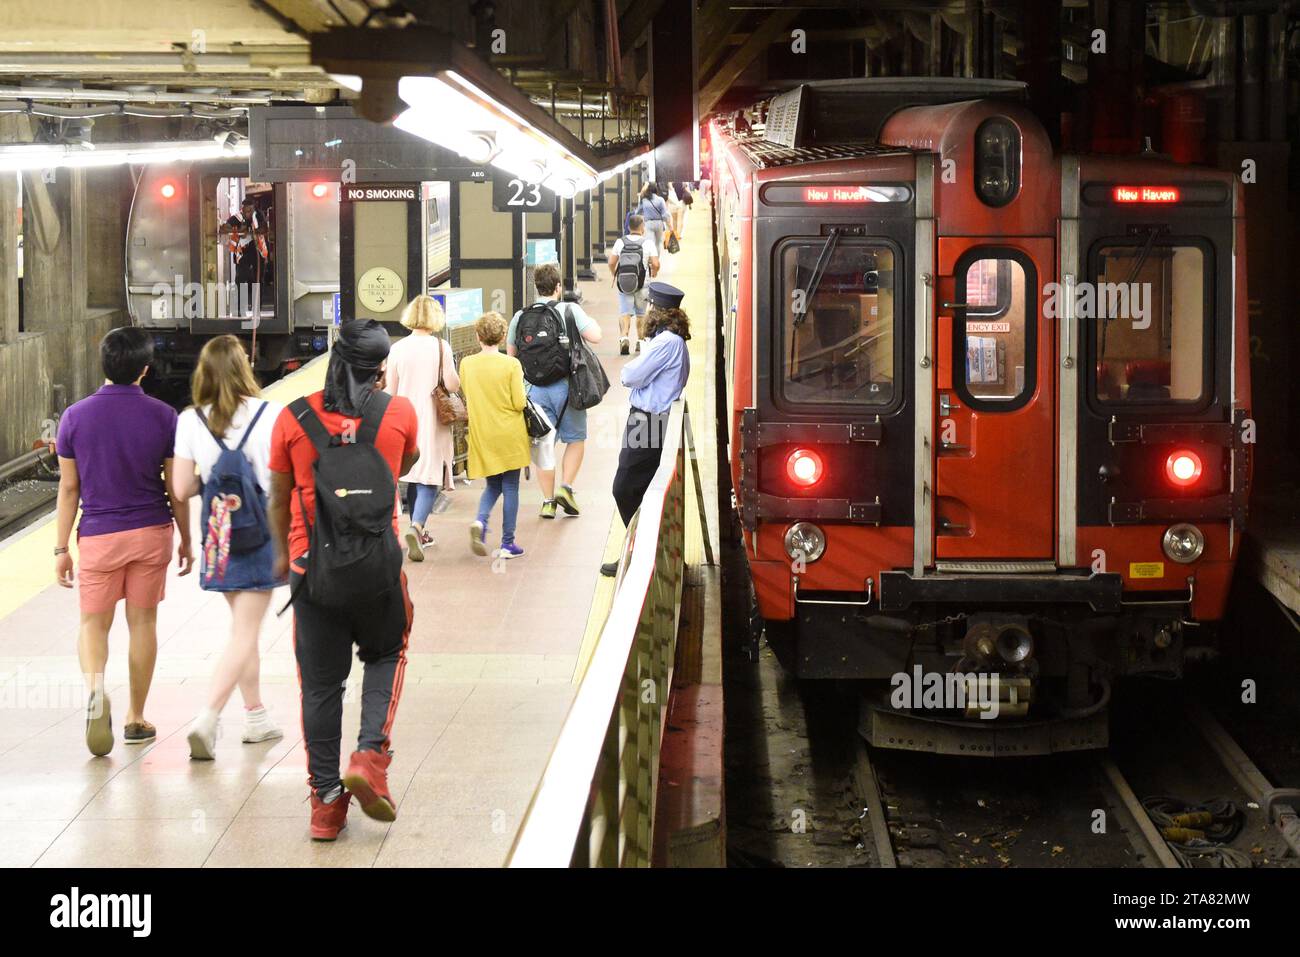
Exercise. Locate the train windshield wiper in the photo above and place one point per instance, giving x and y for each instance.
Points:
(1152, 233)
(823, 260)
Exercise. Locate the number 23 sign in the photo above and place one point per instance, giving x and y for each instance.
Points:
(513, 195)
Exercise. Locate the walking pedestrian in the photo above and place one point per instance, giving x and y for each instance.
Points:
(416, 365)
(498, 440)
(115, 451)
(335, 458)
(226, 435)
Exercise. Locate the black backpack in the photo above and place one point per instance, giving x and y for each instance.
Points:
(629, 272)
(542, 344)
(352, 556)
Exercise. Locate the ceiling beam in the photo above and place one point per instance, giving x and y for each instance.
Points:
(714, 44)
(735, 64)
(559, 19)
(634, 23)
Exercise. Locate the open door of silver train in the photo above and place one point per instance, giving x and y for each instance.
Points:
(185, 244)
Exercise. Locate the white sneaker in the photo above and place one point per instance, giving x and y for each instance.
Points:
(259, 727)
(203, 739)
(414, 547)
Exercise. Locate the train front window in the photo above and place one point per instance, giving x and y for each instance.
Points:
(838, 324)
(1149, 325)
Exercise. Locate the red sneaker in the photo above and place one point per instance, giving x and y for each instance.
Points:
(367, 778)
(328, 819)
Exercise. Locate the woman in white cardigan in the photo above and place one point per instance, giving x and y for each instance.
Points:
(413, 366)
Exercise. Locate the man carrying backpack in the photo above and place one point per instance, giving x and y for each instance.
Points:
(539, 337)
(632, 260)
(335, 455)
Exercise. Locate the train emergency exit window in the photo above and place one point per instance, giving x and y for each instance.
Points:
(837, 336)
(1150, 322)
(994, 333)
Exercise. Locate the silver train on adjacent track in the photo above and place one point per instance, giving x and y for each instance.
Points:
(181, 267)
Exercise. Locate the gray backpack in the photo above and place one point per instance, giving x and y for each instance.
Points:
(630, 274)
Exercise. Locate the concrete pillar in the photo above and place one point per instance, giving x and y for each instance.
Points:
(582, 214)
(674, 118)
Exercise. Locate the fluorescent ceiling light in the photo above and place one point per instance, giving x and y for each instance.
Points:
(454, 113)
(48, 156)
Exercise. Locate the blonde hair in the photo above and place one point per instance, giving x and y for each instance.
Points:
(424, 312)
(223, 378)
(490, 328)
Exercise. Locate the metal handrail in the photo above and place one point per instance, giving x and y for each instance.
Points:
(594, 806)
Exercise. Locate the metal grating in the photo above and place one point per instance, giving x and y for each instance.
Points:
(765, 154)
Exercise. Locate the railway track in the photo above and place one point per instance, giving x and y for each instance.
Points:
(903, 828)
(22, 500)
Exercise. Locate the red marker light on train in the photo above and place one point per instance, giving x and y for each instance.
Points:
(168, 190)
(1145, 194)
(1183, 467)
(804, 467)
(320, 190)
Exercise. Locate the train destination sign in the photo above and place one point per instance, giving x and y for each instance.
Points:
(820, 194)
(371, 192)
(1146, 194)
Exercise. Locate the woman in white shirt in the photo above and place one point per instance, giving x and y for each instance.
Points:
(230, 420)
(413, 368)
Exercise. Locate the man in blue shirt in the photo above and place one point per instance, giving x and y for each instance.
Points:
(656, 378)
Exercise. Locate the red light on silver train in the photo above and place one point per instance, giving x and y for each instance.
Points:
(168, 190)
(804, 468)
(1145, 194)
(320, 190)
(1183, 468)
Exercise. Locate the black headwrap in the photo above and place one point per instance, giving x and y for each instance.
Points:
(361, 348)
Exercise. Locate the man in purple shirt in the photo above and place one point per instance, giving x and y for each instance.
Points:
(115, 460)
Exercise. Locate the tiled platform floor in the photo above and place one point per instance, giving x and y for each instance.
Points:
(489, 681)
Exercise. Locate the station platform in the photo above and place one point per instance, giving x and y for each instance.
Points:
(496, 651)
(1271, 551)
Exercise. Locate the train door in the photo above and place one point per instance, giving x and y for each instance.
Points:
(237, 247)
(994, 402)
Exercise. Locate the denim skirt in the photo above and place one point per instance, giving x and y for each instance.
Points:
(245, 571)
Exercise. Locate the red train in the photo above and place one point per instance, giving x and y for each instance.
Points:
(989, 408)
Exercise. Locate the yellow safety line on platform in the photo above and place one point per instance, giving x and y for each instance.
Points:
(690, 270)
(27, 561)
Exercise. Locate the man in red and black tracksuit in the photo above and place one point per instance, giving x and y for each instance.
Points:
(323, 636)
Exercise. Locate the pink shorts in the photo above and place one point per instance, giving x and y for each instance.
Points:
(130, 565)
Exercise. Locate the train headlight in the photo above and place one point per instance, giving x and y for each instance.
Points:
(997, 161)
(804, 468)
(806, 540)
(1183, 543)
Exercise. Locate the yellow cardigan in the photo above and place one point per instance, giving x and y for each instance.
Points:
(493, 386)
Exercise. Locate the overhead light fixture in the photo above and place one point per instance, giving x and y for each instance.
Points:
(431, 85)
(28, 156)
(452, 112)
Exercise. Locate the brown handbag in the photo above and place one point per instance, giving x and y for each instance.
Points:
(449, 406)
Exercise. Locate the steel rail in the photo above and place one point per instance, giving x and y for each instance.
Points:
(1141, 831)
(868, 787)
(1279, 804)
